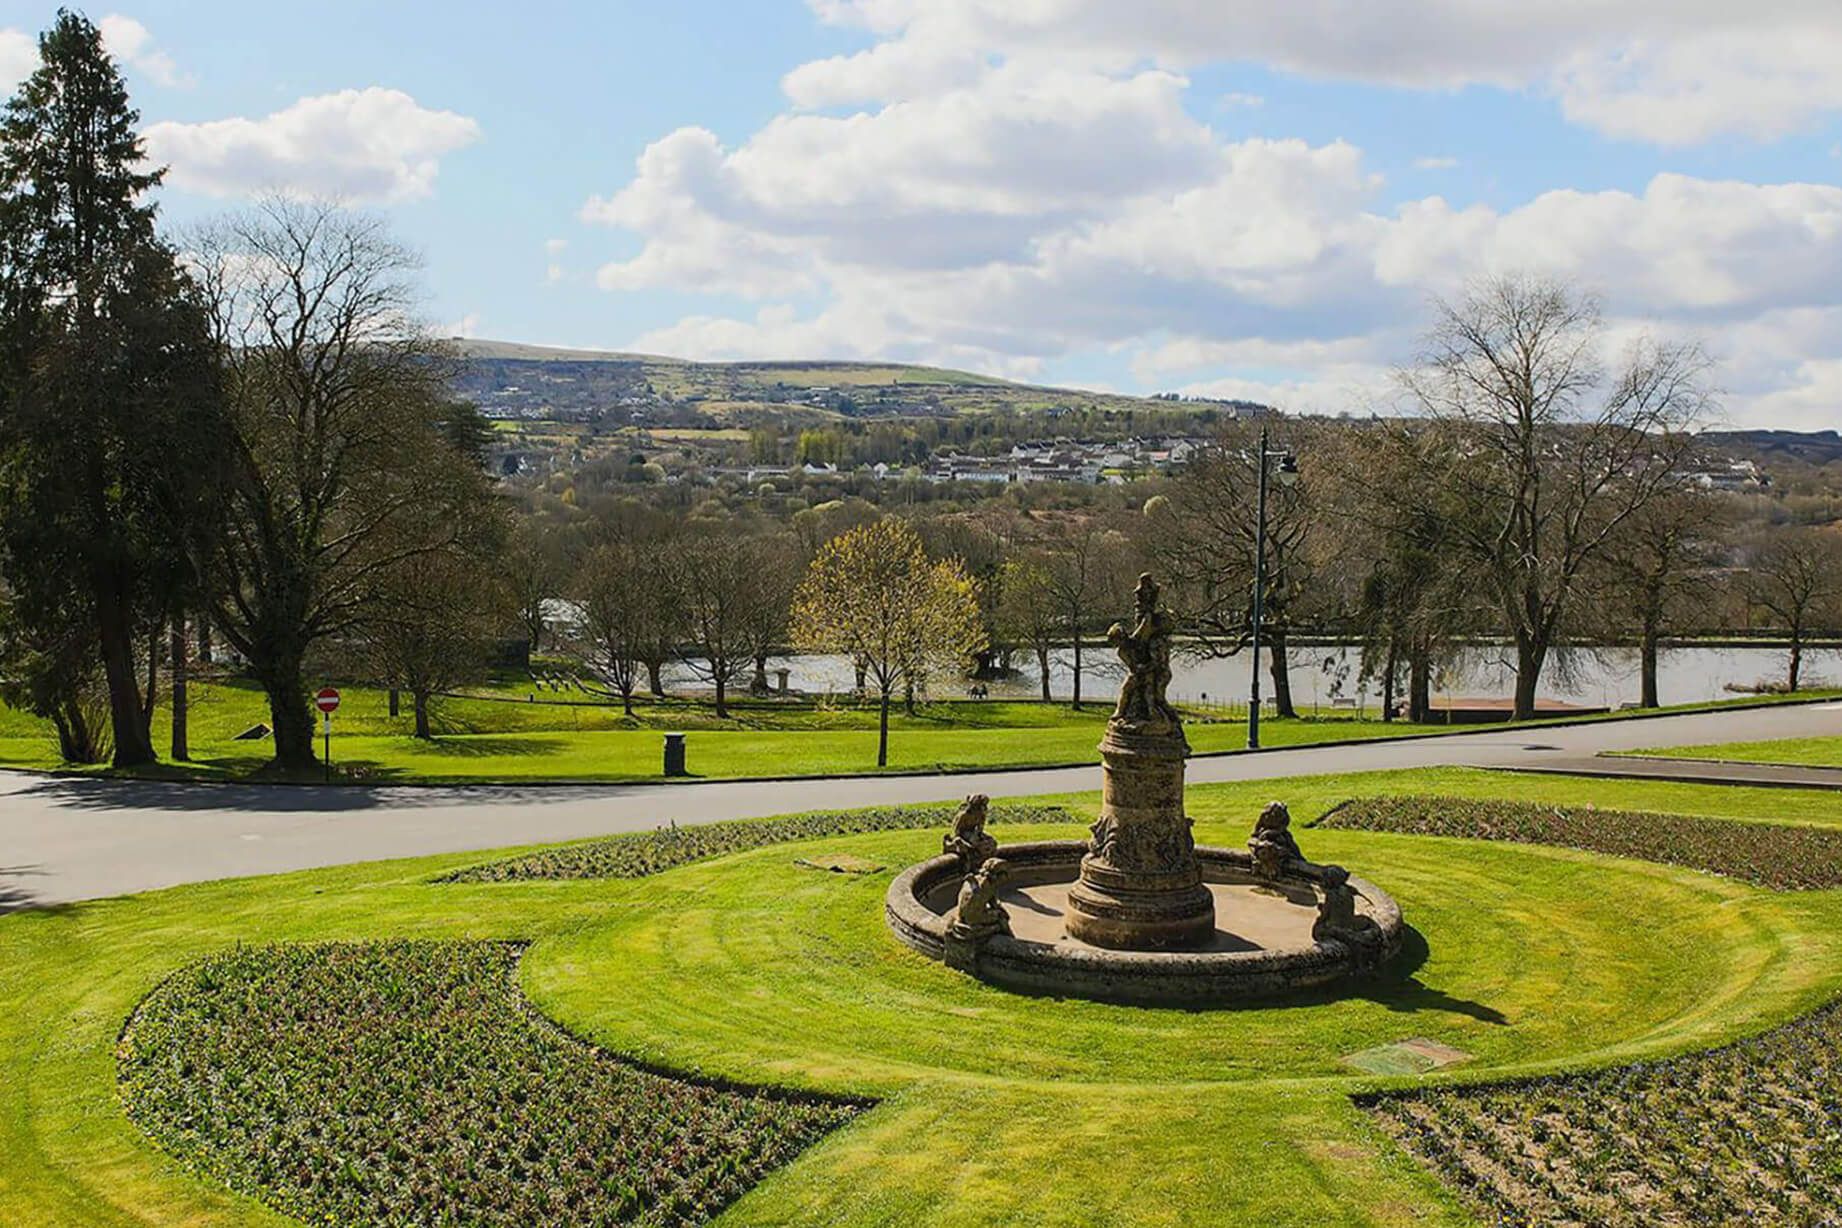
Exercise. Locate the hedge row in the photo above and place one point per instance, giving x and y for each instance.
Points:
(1743, 1134)
(408, 1083)
(643, 853)
(1782, 858)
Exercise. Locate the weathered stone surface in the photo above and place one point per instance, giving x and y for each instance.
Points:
(969, 840)
(1141, 888)
(1272, 845)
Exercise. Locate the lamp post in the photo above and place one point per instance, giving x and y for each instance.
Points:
(1288, 474)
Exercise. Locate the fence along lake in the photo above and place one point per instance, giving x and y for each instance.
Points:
(1322, 676)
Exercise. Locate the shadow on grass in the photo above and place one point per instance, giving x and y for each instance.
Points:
(490, 747)
(103, 794)
(1398, 989)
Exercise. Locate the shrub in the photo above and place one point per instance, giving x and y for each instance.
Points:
(408, 1083)
(1783, 858)
(1741, 1134)
(653, 852)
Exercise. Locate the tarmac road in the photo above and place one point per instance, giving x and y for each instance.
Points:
(64, 839)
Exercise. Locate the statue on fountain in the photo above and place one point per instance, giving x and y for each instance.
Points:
(1144, 649)
(978, 914)
(1338, 919)
(968, 840)
(1272, 844)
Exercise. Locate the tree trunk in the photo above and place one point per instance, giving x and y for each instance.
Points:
(1797, 657)
(626, 699)
(908, 697)
(1529, 657)
(760, 684)
(133, 747)
(1648, 669)
(395, 701)
(181, 751)
(204, 639)
(290, 715)
(863, 670)
(1042, 663)
(654, 682)
(1281, 673)
(150, 696)
(421, 700)
(1420, 686)
(1077, 671)
(1388, 682)
(721, 678)
(882, 731)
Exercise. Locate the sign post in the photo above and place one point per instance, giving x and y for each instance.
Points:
(327, 701)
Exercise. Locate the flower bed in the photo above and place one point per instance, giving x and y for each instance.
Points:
(653, 852)
(408, 1083)
(1783, 858)
(1743, 1134)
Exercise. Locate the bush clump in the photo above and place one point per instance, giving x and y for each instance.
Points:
(1783, 858)
(1743, 1134)
(653, 852)
(409, 1083)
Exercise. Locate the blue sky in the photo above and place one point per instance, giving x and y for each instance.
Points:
(1250, 198)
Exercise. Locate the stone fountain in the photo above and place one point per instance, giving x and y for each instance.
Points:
(1139, 912)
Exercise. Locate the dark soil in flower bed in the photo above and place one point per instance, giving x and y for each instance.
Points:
(1750, 1133)
(1783, 858)
(653, 852)
(409, 1083)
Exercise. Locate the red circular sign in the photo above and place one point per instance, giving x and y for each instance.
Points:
(327, 699)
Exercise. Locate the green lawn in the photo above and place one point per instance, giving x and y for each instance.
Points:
(518, 730)
(1802, 752)
(994, 1107)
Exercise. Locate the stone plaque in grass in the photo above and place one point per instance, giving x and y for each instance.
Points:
(1416, 1056)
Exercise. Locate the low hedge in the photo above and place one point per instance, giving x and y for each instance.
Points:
(408, 1083)
(1783, 858)
(653, 852)
(1745, 1134)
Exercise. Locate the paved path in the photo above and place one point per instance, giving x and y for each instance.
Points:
(73, 838)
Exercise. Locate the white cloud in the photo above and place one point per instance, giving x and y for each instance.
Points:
(131, 43)
(18, 58)
(467, 326)
(1046, 194)
(553, 259)
(1434, 163)
(1669, 71)
(1242, 100)
(364, 145)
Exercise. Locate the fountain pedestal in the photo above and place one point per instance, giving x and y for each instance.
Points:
(1141, 886)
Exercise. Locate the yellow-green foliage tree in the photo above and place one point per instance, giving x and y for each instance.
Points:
(873, 594)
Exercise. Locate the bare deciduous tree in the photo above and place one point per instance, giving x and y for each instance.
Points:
(1795, 574)
(342, 469)
(1551, 451)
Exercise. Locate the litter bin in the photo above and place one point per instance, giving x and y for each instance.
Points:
(674, 755)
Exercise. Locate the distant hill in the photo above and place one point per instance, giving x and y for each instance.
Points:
(1817, 448)
(513, 380)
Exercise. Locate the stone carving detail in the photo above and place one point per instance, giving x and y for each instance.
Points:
(1141, 886)
(1337, 915)
(978, 913)
(969, 840)
(1144, 649)
(1272, 844)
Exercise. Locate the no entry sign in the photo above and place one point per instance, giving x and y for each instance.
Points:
(326, 699)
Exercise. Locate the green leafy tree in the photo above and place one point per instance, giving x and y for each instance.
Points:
(111, 434)
(873, 594)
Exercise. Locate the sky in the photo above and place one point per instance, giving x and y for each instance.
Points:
(1250, 198)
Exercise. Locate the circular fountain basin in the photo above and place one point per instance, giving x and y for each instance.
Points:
(1261, 948)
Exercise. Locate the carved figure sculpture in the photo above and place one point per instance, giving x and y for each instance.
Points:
(1144, 649)
(1272, 844)
(978, 913)
(968, 840)
(1337, 915)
